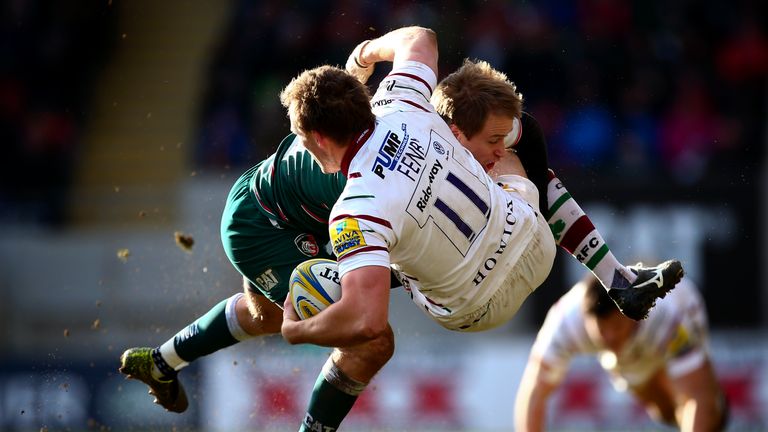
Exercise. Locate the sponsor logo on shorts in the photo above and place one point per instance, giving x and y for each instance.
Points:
(346, 236)
(267, 280)
(307, 245)
(490, 263)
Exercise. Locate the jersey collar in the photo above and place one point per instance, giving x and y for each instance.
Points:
(354, 148)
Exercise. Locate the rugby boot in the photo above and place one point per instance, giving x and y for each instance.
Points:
(136, 363)
(638, 298)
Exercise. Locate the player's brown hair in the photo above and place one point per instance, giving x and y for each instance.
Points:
(597, 302)
(466, 97)
(328, 100)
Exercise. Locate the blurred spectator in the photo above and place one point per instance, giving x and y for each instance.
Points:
(691, 131)
(49, 52)
(608, 80)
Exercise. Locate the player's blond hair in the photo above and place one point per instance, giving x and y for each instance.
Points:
(466, 97)
(328, 100)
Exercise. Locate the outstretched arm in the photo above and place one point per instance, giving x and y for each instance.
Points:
(404, 44)
(702, 404)
(532, 397)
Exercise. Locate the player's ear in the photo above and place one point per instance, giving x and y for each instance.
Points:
(320, 139)
(458, 133)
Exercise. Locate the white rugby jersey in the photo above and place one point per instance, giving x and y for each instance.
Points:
(417, 200)
(673, 336)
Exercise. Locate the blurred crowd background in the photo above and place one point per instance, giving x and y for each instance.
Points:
(642, 91)
(659, 88)
(124, 121)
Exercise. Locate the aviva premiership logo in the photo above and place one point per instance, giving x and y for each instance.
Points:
(346, 236)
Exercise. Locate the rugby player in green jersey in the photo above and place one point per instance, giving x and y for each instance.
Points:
(276, 217)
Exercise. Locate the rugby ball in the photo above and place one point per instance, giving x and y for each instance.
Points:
(314, 286)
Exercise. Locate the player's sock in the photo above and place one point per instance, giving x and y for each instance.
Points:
(532, 152)
(332, 398)
(574, 232)
(216, 330)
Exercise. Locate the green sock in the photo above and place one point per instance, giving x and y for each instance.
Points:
(206, 335)
(332, 399)
(215, 330)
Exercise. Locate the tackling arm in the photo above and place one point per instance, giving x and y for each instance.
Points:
(404, 44)
(532, 397)
(702, 404)
(360, 315)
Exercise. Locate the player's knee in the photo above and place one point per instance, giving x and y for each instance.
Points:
(262, 315)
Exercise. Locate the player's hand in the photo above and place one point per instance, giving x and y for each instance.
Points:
(289, 313)
(356, 67)
(290, 324)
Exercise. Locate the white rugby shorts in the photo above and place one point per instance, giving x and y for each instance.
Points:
(528, 273)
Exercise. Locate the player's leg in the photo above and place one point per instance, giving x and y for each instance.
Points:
(575, 232)
(344, 376)
(236, 319)
(227, 323)
(571, 227)
(532, 151)
(265, 255)
(158, 367)
(256, 314)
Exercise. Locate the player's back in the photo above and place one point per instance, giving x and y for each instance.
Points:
(292, 190)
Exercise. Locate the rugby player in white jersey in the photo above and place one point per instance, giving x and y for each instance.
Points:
(663, 360)
(469, 248)
(469, 251)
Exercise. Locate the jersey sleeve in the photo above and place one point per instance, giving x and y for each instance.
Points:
(553, 345)
(359, 240)
(686, 349)
(360, 233)
(408, 87)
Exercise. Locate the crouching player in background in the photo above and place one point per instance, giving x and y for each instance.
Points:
(662, 360)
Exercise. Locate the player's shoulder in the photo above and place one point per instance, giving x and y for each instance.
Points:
(567, 311)
(290, 141)
(684, 296)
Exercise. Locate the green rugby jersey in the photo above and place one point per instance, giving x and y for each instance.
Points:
(292, 190)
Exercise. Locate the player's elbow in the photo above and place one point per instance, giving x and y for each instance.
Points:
(425, 35)
(417, 44)
(378, 350)
(370, 329)
(422, 39)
